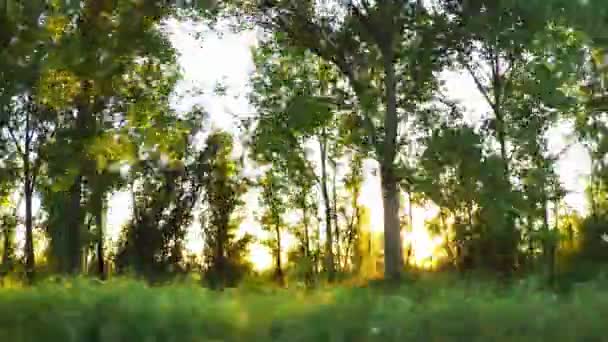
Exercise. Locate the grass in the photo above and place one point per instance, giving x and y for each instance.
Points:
(425, 310)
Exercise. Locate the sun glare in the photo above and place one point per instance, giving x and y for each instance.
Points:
(424, 247)
(261, 258)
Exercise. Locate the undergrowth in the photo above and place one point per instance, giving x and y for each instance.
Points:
(129, 311)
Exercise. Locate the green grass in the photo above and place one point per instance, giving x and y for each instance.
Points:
(422, 311)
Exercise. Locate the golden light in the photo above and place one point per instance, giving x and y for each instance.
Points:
(425, 248)
(260, 257)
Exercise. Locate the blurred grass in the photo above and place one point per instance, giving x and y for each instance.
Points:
(438, 309)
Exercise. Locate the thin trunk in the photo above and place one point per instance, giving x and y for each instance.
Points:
(317, 259)
(444, 226)
(410, 217)
(410, 211)
(530, 241)
(470, 214)
(7, 265)
(307, 256)
(30, 263)
(306, 232)
(592, 199)
(329, 254)
(393, 254)
(99, 223)
(547, 239)
(86, 250)
(553, 247)
(6, 247)
(279, 264)
(352, 228)
(220, 258)
(335, 219)
(499, 115)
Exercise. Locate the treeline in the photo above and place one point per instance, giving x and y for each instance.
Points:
(85, 112)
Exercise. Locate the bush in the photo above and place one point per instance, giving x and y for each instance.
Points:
(130, 311)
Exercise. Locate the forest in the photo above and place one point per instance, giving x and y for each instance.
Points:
(358, 199)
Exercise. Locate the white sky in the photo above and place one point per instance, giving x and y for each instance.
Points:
(228, 60)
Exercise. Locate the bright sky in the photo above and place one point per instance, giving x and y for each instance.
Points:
(227, 59)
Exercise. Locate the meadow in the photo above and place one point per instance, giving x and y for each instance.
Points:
(420, 310)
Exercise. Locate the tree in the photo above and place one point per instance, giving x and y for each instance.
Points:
(289, 120)
(352, 213)
(108, 62)
(25, 123)
(8, 215)
(223, 188)
(273, 198)
(525, 69)
(302, 194)
(29, 127)
(360, 39)
(166, 184)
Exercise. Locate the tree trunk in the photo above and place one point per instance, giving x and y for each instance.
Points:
(307, 255)
(30, 262)
(329, 254)
(337, 236)
(317, 259)
(592, 194)
(220, 257)
(74, 255)
(410, 211)
(279, 264)
(392, 233)
(99, 223)
(393, 255)
(352, 232)
(410, 217)
(507, 260)
(497, 108)
(547, 242)
(530, 222)
(306, 232)
(553, 248)
(6, 246)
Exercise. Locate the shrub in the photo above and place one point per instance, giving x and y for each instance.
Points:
(120, 310)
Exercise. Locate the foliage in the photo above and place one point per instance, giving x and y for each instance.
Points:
(224, 187)
(127, 311)
(86, 111)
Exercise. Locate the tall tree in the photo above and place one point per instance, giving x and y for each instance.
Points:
(524, 68)
(223, 191)
(8, 214)
(289, 120)
(25, 123)
(304, 197)
(95, 58)
(273, 198)
(29, 126)
(352, 212)
(361, 38)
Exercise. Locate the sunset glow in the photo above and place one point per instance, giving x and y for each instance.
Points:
(261, 258)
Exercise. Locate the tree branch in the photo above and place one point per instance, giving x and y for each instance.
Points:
(479, 85)
(313, 37)
(15, 141)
